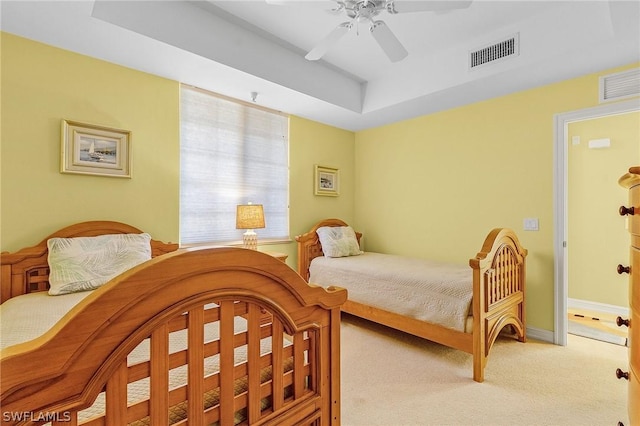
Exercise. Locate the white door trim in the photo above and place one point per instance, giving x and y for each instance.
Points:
(560, 181)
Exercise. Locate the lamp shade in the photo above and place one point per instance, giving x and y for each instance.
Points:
(249, 216)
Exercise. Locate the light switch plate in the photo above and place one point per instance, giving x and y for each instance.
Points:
(531, 224)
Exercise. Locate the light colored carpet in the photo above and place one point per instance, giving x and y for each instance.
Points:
(394, 379)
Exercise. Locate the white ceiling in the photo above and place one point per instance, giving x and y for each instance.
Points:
(238, 47)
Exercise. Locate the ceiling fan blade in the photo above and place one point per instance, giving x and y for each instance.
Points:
(388, 42)
(325, 44)
(276, 2)
(427, 6)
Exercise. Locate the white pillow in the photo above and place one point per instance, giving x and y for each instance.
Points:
(338, 241)
(86, 263)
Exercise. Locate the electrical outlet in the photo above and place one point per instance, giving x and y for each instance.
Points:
(531, 224)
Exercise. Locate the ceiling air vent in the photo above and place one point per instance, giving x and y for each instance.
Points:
(504, 49)
(620, 85)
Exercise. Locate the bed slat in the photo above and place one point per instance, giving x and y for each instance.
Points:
(116, 396)
(253, 354)
(196, 366)
(226, 361)
(159, 375)
(312, 359)
(277, 381)
(298, 365)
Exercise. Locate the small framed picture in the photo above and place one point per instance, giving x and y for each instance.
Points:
(95, 150)
(327, 181)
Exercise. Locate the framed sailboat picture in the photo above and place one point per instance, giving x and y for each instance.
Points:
(95, 150)
(326, 181)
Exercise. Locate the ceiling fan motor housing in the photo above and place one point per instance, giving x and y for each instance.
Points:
(364, 10)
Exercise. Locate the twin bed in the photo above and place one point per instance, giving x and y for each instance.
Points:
(204, 336)
(460, 307)
(225, 335)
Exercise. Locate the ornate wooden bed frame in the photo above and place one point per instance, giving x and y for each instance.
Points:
(498, 295)
(53, 377)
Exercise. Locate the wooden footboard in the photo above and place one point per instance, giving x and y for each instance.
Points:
(260, 346)
(498, 296)
(498, 293)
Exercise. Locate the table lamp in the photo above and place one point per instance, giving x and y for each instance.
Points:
(250, 217)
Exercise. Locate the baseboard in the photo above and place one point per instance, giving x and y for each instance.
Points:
(598, 307)
(540, 334)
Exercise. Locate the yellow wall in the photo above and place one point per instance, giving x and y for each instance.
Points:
(597, 238)
(434, 186)
(428, 187)
(41, 85)
(314, 143)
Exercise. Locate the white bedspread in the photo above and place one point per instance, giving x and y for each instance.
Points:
(430, 291)
(28, 316)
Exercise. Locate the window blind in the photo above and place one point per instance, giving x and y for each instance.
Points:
(231, 153)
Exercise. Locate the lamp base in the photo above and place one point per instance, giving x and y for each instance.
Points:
(250, 240)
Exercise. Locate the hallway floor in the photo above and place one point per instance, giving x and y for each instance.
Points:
(596, 325)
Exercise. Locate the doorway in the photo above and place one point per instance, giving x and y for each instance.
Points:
(561, 185)
(599, 151)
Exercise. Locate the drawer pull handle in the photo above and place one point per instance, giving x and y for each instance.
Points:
(623, 269)
(626, 211)
(622, 374)
(622, 322)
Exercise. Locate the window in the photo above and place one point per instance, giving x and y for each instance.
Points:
(231, 153)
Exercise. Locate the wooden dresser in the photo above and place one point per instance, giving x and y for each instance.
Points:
(631, 372)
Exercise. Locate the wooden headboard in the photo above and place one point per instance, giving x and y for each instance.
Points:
(27, 270)
(309, 246)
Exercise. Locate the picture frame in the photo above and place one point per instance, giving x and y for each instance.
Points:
(326, 181)
(95, 150)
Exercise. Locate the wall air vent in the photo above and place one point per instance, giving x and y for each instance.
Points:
(507, 48)
(621, 85)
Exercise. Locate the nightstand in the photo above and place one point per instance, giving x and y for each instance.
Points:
(280, 256)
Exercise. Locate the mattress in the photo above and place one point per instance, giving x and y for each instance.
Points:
(28, 316)
(434, 292)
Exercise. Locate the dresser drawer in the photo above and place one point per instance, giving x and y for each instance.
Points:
(634, 201)
(634, 280)
(634, 341)
(634, 399)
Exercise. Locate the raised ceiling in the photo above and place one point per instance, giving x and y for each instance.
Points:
(238, 47)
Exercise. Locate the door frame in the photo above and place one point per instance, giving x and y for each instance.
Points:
(560, 185)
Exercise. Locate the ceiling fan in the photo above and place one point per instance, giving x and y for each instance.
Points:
(365, 11)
